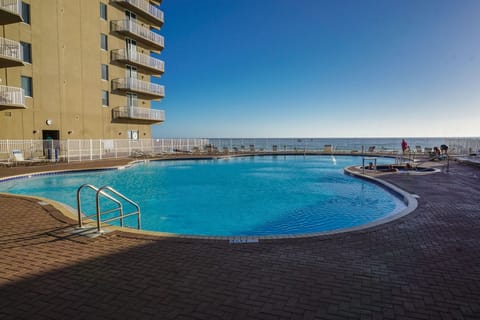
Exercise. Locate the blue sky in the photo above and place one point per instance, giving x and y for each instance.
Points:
(315, 68)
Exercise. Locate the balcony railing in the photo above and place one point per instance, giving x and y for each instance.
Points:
(10, 11)
(138, 115)
(144, 88)
(143, 61)
(11, 98)
(11, 53)
(138, 32)
(151, 13)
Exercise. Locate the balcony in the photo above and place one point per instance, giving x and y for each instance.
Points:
(11, 53)
(11, 98)
(143, 61)
(140, 33)
(143, 8)
(144, 89)
(137, 115)
(10, 11)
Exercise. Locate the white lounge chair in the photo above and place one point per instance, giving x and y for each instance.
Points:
(20, 159)
(5, 159)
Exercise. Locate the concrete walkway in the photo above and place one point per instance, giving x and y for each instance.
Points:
(423, 266)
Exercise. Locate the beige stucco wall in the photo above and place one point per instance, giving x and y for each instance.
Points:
(66, 72)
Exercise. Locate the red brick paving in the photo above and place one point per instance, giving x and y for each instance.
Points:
(423, 266)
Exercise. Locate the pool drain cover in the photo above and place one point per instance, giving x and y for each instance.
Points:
(236, 241)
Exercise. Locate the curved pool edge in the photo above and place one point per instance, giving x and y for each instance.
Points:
(409, 200)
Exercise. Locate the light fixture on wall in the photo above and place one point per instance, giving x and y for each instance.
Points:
(70, 131)
(34, 131)
(49, 122)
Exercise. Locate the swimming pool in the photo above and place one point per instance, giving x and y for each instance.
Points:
(253, 196)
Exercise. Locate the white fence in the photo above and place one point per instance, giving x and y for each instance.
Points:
(96, 149)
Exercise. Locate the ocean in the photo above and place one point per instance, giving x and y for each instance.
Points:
(347, 144)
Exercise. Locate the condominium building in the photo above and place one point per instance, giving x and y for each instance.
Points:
(79, 69)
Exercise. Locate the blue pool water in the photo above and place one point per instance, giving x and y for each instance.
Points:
(263, 195)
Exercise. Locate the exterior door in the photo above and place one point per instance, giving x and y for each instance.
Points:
(132, 100)
(130, 16)
(131, 46)
(131, 72)
(50, 143)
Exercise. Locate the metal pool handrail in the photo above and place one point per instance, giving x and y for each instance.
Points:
(122, 216)
(99, 213)
(79, 202)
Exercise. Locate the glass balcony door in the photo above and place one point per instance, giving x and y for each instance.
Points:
(131, 46)
(131, 72)
(132, 100)
(130, 16)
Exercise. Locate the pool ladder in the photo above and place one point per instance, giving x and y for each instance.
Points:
(102, 192)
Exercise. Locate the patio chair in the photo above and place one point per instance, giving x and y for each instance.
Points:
(252, 148)
(20, 159)
(328, 148)
(195, 150)
(418, 149)
(371, 149)
(5, 159)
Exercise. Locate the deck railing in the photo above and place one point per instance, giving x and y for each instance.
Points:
(138, 30)
(12, 96)
(138, 58)
(13, 6)
(136, 85)
(138, 113)
(145, 7)
(11, 49)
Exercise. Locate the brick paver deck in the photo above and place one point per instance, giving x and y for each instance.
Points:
(423, 266)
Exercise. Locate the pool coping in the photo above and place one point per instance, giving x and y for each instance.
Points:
(70, 213)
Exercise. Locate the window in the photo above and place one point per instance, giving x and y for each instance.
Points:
(104, 98)
(27, 52)
(26, 12)
(133, 134)
(27, 86)
(103, 41)
(104, 72)
(103, 11)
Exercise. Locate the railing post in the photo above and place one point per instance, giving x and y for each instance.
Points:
(52, 151)
(91, 149)
(97, 204)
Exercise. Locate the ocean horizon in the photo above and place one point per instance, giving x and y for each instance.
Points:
(348, 143)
